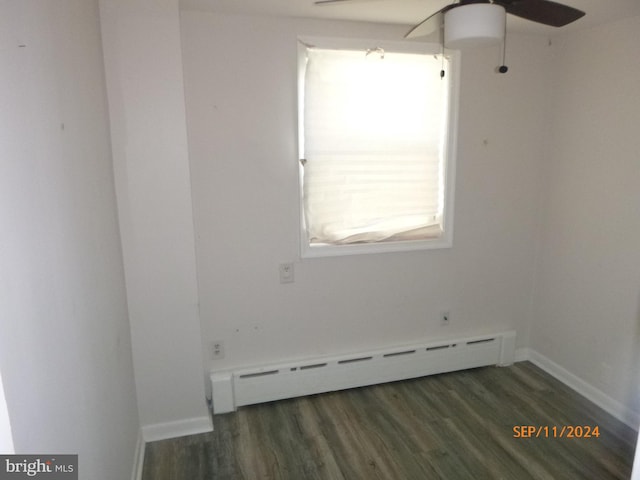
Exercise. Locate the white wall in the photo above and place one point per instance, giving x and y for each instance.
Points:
(65, 352)
(146, 105)
(241, 108)
(587, 306)
(6, 436)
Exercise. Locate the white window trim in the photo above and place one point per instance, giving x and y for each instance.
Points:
(446, 239)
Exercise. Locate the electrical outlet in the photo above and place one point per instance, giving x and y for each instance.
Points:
(286, 273)
(217, 349)
(445, 318)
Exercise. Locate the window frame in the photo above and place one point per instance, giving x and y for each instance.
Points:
(445, 240)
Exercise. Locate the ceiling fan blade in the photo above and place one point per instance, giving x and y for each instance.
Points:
(542, 11)
(427, 26)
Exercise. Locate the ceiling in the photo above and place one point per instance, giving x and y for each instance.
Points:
(410, 12)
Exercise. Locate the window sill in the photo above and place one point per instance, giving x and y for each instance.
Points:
(325, 250)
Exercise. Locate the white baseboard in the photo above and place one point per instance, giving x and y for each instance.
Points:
(179, 428)
(595, 395)
(266, 383)
(138, 459)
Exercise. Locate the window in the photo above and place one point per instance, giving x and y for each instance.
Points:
(375, 143)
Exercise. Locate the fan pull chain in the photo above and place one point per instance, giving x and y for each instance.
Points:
(503, 68)
(442, 51)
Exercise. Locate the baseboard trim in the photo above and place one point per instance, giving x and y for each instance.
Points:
(138, 458)
(179, 428)
(595, 395)
(310, 376)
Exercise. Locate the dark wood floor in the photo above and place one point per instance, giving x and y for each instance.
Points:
(451, 426)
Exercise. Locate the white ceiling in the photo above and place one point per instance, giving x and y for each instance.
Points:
(410, 12)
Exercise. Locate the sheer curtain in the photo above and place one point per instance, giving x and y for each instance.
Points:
(374, 131)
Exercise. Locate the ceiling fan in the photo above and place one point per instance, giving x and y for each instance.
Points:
(540, 11)
(478, 23)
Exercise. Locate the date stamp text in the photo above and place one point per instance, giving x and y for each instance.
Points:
(556, 431)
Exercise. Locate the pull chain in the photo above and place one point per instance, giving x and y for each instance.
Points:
(503, 68)
(442, 51)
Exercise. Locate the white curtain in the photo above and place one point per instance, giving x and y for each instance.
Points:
(374, 132)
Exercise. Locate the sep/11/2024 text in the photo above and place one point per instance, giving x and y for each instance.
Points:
(555, 431)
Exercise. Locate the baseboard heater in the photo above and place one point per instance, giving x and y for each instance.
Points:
(247, 386)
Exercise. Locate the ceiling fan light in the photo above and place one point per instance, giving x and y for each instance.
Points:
(475, 25)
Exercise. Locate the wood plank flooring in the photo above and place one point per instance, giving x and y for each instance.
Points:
(453, 426)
